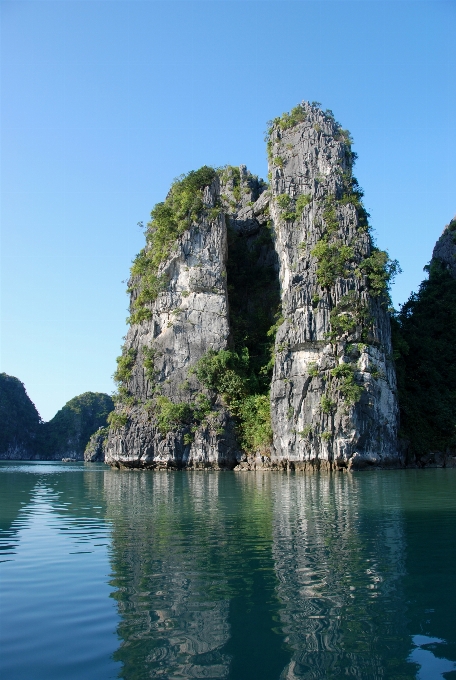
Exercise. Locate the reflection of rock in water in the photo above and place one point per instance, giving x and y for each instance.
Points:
(340, 567)
(171, 591)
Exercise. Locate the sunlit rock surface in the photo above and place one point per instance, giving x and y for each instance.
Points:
(315, 161)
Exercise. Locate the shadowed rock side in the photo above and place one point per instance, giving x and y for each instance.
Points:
(164, 416)
(95, 450)
(333, 395)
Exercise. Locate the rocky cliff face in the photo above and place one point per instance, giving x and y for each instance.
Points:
(196, 368)
(95, 450)
(333, 395)
(165, 417)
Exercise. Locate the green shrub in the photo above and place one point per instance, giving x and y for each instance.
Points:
(333, 259)
(224, 372)
(353, 194)
(302, 201)
(349, 313)
(169, 220)
(255, 422)
(326, 436)
(233, 174)
(283, 201)
(380, 272)
(330, 216)
(346, 136)
(347, 387)
(227, 373)
(125, 364)
(117, 420)
(377, 374)
(288, 120)
(327, 405)
(278, 160)
(149, 354)
(305, 432)
(202, 407)
(170, 416)
(313, 370)
(124, 397)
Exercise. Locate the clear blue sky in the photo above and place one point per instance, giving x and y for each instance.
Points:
(104, 103)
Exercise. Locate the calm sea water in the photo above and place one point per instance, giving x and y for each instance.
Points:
(246, 576)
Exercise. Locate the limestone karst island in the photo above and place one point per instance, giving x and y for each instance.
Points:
(261, 330)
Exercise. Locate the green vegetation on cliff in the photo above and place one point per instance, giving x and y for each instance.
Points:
(241, 375)
(425, 352)
(169, 220)
(335, 257)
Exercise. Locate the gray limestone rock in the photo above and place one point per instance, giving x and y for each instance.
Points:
(333, 391)
(95, 450)
(315, 420)
(187, 319)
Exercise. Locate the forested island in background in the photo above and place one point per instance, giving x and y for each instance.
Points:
(24, 436)
(262, 334)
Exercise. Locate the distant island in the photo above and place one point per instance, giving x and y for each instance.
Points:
(261, 329)
(23, 435)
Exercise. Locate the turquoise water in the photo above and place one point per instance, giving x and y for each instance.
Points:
(108, 574)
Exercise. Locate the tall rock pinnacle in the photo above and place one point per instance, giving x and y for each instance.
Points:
(333, 391)
(210, 375)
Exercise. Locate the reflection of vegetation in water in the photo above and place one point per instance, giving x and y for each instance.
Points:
(194, 579)
(16, 490)
(213, 572)
(76, 494)
(340, 567)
